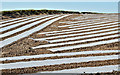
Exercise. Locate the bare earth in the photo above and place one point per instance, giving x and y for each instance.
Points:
(23, 47)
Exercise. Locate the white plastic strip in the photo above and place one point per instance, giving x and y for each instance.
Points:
(15, 19)
(58, 54)
(74, 42)
(61, 36)
(27, 33)
(71, 25)
(56, 61)
(86, 24)
(97, 69)
(19, 24)
(69, 22)
(84, 19)
(94, 25)
(20, 20)
(12, 19)
(72, 30)
(79, 30)
(25, 27)
(80, 37)
(82, 45)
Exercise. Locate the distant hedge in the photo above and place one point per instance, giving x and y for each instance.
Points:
(89, 13)
(20, 13)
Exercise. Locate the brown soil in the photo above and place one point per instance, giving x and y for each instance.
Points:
(86, 38)
(16, 23)
(23, 46)
(79, 43)
(8, 18)
(13, 21)
(62, 66)
(37, 36)
(25, 29)
(82, 35)
(59, 57)
(110, 46)
(21, 25)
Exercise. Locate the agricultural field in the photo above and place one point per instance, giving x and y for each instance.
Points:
(60, 43)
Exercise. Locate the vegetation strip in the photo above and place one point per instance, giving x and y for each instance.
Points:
(19, 13)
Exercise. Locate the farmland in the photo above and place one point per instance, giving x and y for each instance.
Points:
(60, 43)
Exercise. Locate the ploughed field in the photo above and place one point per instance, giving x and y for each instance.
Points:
(85, 43)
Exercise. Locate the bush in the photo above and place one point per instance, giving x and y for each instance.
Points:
(19, 13)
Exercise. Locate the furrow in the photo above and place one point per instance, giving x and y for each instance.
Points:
(62, 67)
(83, 37)
(26, 26)
(15, 22)
(83, 45)
(94, 25)
(82, 29)
(57, 54)
(56, 61)
(98, 69)
(75, 42)
(29, 32)
(15, 26)
(12, 20)
(87, 23)
(88, 32)
(62, 31)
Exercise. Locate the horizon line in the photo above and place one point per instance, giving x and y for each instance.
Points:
(56, 9)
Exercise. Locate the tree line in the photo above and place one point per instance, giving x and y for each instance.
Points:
(22, 13)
